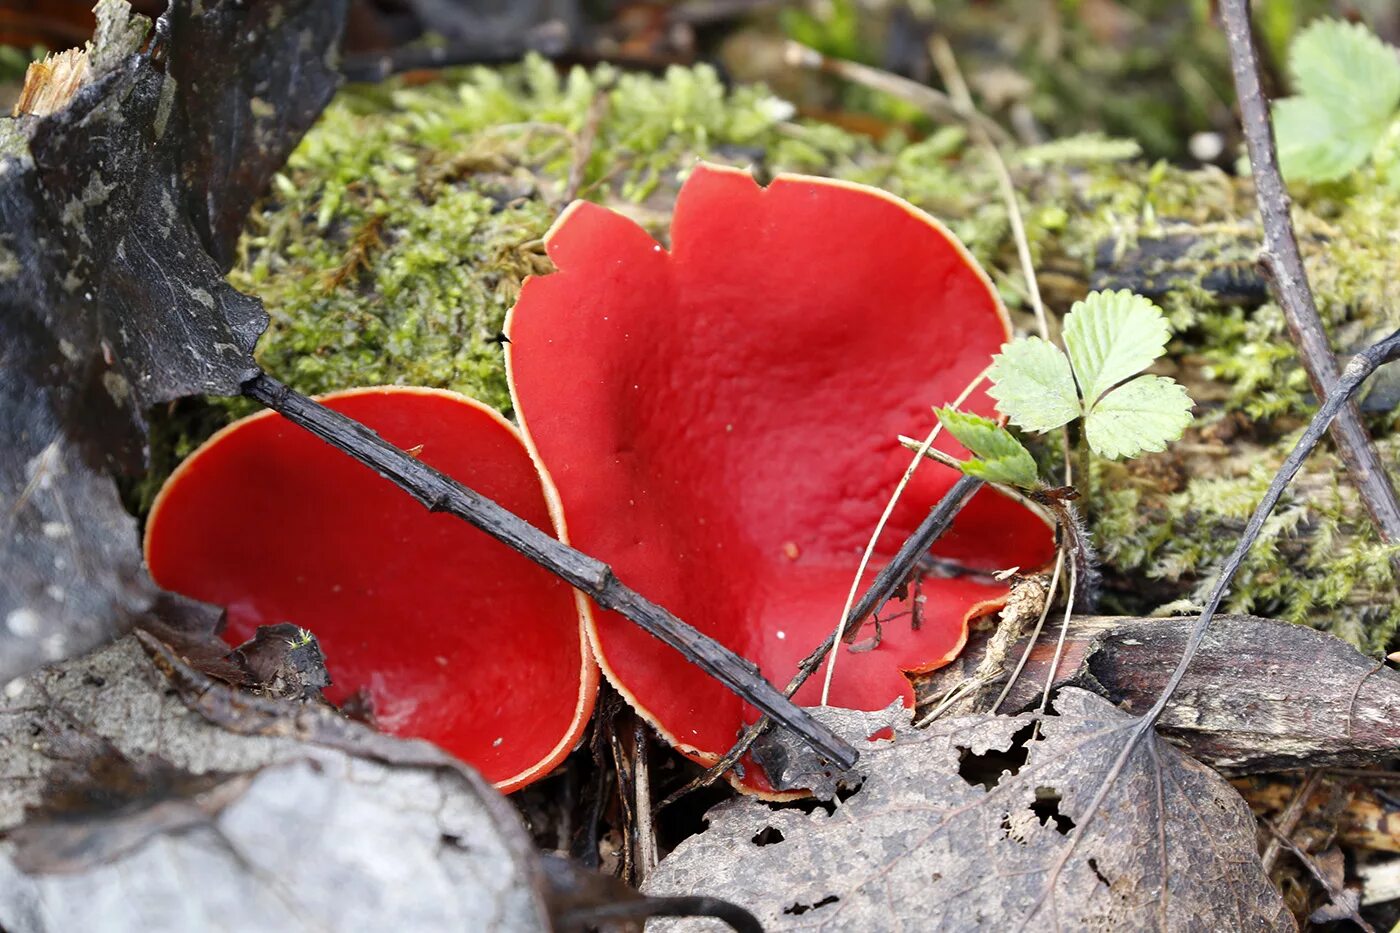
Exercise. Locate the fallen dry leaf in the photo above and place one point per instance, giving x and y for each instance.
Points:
(957, 827)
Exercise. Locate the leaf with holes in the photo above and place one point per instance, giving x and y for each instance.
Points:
(963, 825)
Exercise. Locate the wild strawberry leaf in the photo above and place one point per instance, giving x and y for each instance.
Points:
(1112, 336)
(1142, 415)
(998, 456)
(1033, 385)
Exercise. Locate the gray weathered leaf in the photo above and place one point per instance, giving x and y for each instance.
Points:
(923, 844)
(318, 824)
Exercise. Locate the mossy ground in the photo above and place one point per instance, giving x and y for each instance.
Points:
(399, 234)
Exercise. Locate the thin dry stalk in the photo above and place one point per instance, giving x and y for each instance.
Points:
(1283, 264)
(1035, 633)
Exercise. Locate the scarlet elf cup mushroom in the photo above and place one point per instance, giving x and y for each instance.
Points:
(721, 420)
(456, 638)
(721, 423)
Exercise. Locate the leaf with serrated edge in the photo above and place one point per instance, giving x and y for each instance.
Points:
(1348, 70)
(920, 846)
(1000, 457)
(1313, 148)
(1143, 415)
(1032, 384)
(1112, 336)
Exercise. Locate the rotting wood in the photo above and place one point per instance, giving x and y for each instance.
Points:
(1261, 695)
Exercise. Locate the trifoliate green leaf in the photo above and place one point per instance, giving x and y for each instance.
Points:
(1000, 456)
(1347, 69)
(1141, 415)
(1349, 84)
(1313, 147)
(1033, 385)
(1112, 336)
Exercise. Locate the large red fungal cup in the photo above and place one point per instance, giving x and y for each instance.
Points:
(455, 637)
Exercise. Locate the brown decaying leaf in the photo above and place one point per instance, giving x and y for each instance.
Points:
(111, 205)
(1261, 695)
(128, 796)
(923, 844)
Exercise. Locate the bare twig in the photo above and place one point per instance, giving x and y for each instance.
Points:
(1335, 894)
(1284, 266)
(642, 828)
(1288, 820)
(440, 493)
(1358, 370)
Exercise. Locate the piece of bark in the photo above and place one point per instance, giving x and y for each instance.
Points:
(1262, 695)
(122, 808)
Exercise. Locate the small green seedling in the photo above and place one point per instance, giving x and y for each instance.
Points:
(1348, 84)
(1111, 337)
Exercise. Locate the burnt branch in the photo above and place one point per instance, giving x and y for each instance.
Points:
(440, 493)
(1283, 265)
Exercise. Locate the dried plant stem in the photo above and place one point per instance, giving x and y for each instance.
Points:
(1289, 281)
(977, 124)
(1035, 633)
(440, 493)
(1064, 630)
(1357, 372)
(933, 102)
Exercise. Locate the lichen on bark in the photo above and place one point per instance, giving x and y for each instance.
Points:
(398, 235)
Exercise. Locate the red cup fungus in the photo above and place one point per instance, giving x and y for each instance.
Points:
(721, 421)
(456, 638)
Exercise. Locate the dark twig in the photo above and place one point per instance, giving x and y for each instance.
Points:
(441, 493)
(889, 579)
(1284, 267)
(1335, 894)
(1357, 372)
(735, 916)
(1288, 820)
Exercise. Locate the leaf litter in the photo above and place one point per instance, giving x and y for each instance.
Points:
(958, 825)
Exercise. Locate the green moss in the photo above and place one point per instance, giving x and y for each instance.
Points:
(400, 232)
